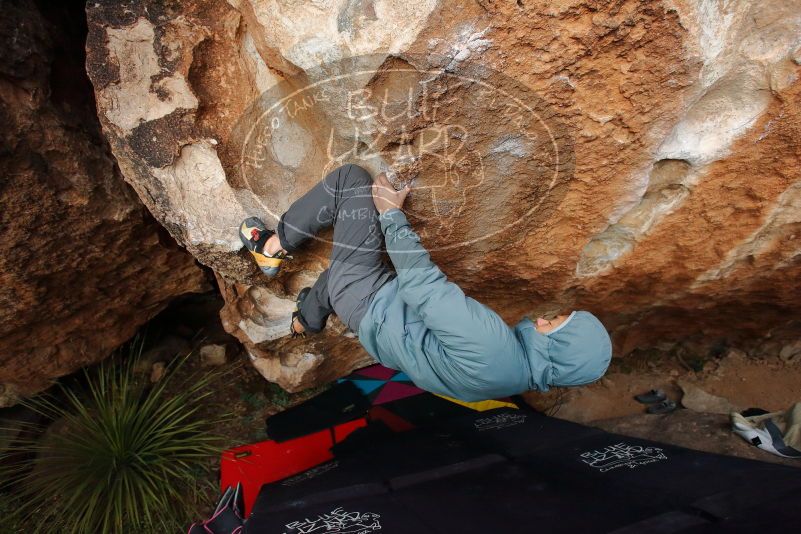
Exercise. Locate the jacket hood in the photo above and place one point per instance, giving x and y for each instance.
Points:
(578, 352)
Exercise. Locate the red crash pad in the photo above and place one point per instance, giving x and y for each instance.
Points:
(267, 461)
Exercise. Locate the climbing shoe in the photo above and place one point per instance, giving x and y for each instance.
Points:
(254, 235)
(296, 313)
(666, 406)
(651, 397)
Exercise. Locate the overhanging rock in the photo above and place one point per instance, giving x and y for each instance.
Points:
(637, 159)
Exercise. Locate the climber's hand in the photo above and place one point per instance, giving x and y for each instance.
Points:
(385, 196)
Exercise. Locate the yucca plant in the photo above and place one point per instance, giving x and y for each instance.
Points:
(121, 455)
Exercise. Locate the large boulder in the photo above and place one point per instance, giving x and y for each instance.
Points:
(636, 158)
(82, 263)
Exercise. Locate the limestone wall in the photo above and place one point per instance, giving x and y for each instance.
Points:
(636, 158)
(82, 263)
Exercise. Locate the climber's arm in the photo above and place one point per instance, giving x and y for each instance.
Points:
(457, 320)
(419, 280)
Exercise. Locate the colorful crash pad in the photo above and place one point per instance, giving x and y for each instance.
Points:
(381, 384)
(305, 433)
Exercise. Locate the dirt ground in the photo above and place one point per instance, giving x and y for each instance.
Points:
(744, 381)
(770, 384)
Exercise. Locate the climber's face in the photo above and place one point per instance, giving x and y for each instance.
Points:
(549, 322)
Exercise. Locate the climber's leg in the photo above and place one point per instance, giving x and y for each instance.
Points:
(316, 306)
(357, 269)
(316, 210)
(343, 199)
(305, 218)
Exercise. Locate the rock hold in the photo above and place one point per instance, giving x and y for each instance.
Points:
(157, 372)
(698, 400)
(791, 352)
(213, 355)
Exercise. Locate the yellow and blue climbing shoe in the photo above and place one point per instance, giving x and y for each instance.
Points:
(254, 235)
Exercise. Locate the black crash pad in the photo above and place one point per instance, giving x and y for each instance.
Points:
(517, 471)
(382, 460)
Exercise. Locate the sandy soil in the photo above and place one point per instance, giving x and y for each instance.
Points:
(746, 382)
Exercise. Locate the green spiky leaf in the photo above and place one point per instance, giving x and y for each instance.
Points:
(120, 454)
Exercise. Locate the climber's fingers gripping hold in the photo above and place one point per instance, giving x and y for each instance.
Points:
(384, 195)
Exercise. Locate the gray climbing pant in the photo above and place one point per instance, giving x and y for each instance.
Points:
(344, 200)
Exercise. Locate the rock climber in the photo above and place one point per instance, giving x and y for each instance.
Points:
(412, 318)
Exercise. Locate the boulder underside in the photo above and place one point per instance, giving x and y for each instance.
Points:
(82, 263)
(637, 159)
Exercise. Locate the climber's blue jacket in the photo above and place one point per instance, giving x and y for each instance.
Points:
(448, 343)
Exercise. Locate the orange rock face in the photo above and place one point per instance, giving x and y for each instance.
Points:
(82, 263)
(638, 159)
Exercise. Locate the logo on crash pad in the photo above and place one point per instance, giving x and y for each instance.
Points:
(622, 455)
(337, 521)
(499, 421)
(311, 473)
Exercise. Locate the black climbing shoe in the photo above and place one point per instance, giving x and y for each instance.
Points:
(651, 397)
(296, 313)
(666, 406)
